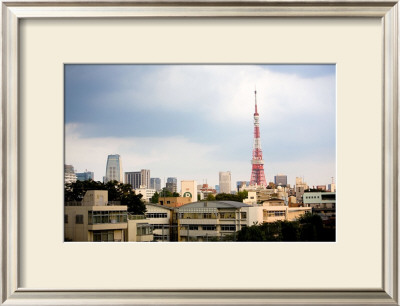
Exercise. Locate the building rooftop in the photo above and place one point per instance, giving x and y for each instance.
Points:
(159, 206)
(215, 204)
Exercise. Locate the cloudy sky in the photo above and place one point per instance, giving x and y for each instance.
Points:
(192, 121)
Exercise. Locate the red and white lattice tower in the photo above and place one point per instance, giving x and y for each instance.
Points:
(257, 169)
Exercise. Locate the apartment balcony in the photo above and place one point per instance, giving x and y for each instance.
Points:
(198, 221)
(107, 226)
(198, 233)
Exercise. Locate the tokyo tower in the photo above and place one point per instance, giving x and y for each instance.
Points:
(257, 169)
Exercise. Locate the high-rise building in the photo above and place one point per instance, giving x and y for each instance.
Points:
(69, 174)
(280, 180)
(225, 182)
(138, 179)
(85, 176)
(134, 179)
(257, 170)
(155, 183)
(172, 184)
(114, 169)
(145, 173)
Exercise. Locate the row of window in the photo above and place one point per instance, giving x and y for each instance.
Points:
(194, 227)
(101, 217)
(156, 215)
(278, 213)
(160, 226)
(222, 215)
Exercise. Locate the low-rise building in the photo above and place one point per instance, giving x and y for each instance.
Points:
(173, 201)
(139, 229)
(211, 220)
(99, 220)
(276, 210)
(322, 203)
(160, 218)
(95, 220)
(145, 192)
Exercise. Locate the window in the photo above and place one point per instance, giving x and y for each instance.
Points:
(79, 219)
(156, 215)
(208, 227)
(276, 213)
(243, 215)
(168, 202)
(328, 196)
(65, 218)
(228, 227)
(161, 202)
(99, 217)
(227, 215)
(160, 226)
(144, 229)
(103, 236)
(197, 215)
(193, 227)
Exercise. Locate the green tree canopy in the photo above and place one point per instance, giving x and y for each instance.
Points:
(116, 192)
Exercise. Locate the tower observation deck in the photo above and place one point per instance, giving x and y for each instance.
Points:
(257, 162)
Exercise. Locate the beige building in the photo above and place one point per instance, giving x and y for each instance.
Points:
(276, 210)
(94, 220)
(189, 190)
(160, 218)
(173, 201)
(139, 229)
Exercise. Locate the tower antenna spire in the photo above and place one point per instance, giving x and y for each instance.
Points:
(257, 171)
(255, 99)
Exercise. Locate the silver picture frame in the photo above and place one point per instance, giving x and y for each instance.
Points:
(15, 11)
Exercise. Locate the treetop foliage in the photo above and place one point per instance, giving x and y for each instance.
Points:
(116, 192)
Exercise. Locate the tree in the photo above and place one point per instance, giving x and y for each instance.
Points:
(251, 233)
(155, 197)
(116, 192)
(308, 227)
(210, 197)
(134, 203)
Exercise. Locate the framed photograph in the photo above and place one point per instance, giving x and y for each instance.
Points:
(40, 39)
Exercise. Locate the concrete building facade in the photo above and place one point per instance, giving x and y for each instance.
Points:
(322, 203)
(225, 182)
(94, 220)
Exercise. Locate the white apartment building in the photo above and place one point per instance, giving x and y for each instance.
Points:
(322, 203)
(225, 182)
(205, 221)
(145, 192)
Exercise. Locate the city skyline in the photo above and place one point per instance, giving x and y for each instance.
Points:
(194, 121)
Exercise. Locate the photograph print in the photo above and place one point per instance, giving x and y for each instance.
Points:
(200, 153)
